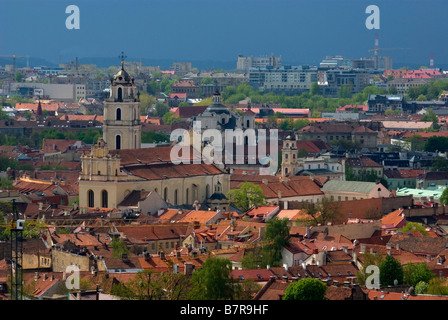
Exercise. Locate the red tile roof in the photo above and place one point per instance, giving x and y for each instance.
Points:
(311, 146)
(271, 185)
(363, 162)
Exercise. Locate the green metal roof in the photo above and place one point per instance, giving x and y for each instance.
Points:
(418, 193)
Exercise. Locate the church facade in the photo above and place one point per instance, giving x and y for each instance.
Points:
(117, 166)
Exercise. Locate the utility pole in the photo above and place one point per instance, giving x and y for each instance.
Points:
(16, 254)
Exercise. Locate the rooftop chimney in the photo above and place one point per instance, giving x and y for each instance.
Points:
(188, 268)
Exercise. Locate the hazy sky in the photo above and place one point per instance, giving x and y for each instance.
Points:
(186, 30)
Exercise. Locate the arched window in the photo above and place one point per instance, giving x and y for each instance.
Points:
(118, 114)
(117, 142)
(187, 196)
(120, 94)
(104, 199)
(90, 199)
(175, 198)
(165, 194)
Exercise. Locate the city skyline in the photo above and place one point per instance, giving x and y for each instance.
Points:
(301, 32)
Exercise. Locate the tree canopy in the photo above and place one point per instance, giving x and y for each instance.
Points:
(276, 237)
(246, 196)
(415, 273)
(391, 271)
(306, 289)
(213, 281)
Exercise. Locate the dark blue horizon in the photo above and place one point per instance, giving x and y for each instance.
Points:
(302, 31)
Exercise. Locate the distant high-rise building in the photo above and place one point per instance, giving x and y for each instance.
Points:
(283, 79)
(180, 68)
(245, 63)
(382, 62)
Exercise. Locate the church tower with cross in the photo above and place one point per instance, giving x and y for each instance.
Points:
(121, 124)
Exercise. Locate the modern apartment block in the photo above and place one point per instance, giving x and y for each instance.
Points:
(283, 79)
(331, 80)
(245, 63)
(63, 92)
(180, 68)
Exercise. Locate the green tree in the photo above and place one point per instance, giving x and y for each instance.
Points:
(118, 247)
(6, 184)
(161, 109)
(306, 289)
(18, 77)
(300, 123)
(421, 287)
(434, 144)
(248, 289)
(391, 270)
(437, 286)
(275, 238)
(246, 196)
(315, 89)
(147, 102)
(415, 273)
(252, 259)
(414, 226)
(214, 281)
(430, 115)
(174, 285)
(324, 212)
(416, 142)
(440, 164)
(421, 98)
(345, 91)
(444, 197)
(142, 287)
(375, 259)
(392, 90)
(207, 80)
(170, 118)
(6, 163)
(152, 137)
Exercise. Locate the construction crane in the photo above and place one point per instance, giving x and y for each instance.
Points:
(382, 49)
(14, 57)
(377, 48)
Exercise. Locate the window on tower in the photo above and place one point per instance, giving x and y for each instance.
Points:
(117, 142)
(90, 198)
(118, 114)
(120, 94)
(104, 199)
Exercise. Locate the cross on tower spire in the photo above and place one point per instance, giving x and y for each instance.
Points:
(122, 56)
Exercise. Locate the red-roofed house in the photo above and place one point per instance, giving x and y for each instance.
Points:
(262, 213)
(176, 98)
